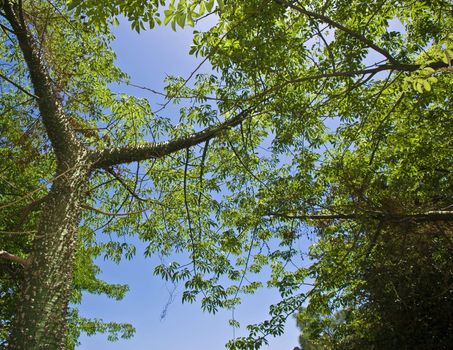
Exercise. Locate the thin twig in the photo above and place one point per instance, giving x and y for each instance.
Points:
(18, 86)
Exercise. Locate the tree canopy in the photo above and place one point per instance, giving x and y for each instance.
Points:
(328, 120)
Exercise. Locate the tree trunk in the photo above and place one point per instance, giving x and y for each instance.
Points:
(41, 317)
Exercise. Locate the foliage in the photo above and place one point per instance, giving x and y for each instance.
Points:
(144, 12)
(392, 296)
(344, 138)
(391, 280)
(384, 157)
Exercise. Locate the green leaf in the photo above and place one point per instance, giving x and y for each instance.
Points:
(168, 15)
(72, 4)
(210, 5)
(173, 24)
(180, 19)
(190, 21)
(426, 85)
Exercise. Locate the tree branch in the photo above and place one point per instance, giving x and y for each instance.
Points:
(426, 216)
(106, 213)
(380, 68)
(23, 216)
(14, 258)
(63, 139)
(124, 184)
(128, 154)
(341, 27)
(371, 71)
(4, 77)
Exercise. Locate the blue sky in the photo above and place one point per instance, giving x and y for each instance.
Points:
(148, 58)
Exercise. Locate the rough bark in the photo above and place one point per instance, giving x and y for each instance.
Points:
(41, 316)
(40, 320)
(127, 154)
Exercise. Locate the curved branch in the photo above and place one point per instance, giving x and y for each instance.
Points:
(152, 150)
(341, 27)
(128, 154)
(400, 67)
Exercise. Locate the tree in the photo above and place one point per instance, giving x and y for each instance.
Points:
(284, 69)
(68, 102)
(26, 167)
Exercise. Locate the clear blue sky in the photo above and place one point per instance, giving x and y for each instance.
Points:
(148, 58)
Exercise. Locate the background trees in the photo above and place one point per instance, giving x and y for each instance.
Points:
(330, 118)
(385, 281)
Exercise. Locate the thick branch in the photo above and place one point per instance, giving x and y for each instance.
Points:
(426, 216)
(63, 140)
(128, 154)
(14, 258)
